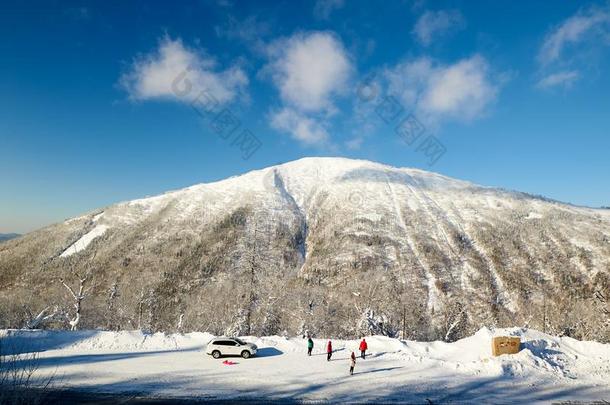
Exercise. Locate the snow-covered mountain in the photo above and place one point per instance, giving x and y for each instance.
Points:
(330, 245)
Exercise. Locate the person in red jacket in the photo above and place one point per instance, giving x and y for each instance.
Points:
(329, 350)
(363, 348)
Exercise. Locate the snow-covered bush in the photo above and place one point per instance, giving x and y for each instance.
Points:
(374, 324)
(239, 325)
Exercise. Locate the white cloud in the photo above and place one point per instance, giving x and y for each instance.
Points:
(249, 31)
(309, 69)
(591, 23)
(355, 143)
(324, 8)
(301, 127)
(565, 79)
(176, 72)
(434, 24)
(460, 91)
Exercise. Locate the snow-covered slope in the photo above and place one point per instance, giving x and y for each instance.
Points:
(83, 242)
(333, 245)
(547, 369)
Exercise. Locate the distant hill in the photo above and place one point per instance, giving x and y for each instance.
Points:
(8, 236)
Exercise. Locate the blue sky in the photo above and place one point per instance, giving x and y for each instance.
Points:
(95, 107)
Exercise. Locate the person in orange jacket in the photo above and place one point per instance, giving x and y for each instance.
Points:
(363, 348)
(329, 350)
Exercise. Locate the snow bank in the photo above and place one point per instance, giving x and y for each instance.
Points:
(91, 340)
(540, 354)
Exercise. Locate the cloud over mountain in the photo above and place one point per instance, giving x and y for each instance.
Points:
(309, 70)
(460, 91)
(176, 72)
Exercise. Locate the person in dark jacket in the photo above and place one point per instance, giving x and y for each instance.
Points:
(363, 348)
(309, 346)
(329, 350)
(352, 364)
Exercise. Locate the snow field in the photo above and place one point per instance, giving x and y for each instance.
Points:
(85, 240)
(161, 365)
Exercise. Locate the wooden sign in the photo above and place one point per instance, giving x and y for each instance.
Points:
(505, 345)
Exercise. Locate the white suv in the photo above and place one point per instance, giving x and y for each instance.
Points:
(224, 346)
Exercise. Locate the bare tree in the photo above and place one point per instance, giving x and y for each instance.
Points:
(180, 325)
(453, 318)
(43, 317)
(111, 307)
(78, 298)
(140, 307)
(252, 256)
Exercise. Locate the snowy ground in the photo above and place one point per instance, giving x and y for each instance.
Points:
(548, 369)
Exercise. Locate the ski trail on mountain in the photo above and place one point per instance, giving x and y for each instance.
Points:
(432, 293)
(296, 210)
(497, 283)
(429, 205)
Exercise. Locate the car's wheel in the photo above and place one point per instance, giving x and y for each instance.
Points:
(245, 354)
(216, 354)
